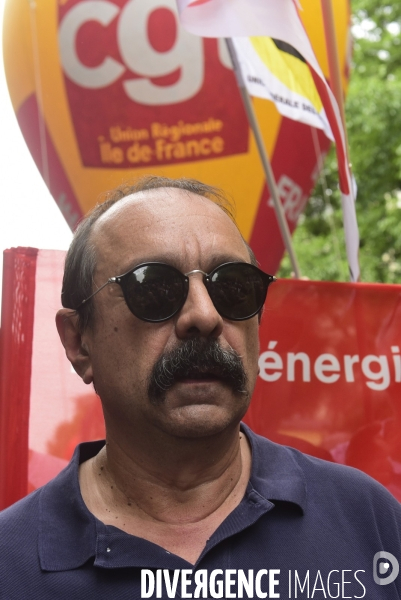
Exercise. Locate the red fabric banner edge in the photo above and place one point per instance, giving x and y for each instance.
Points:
(17, 314)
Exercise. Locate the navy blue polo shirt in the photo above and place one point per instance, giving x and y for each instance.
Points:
(305, 528)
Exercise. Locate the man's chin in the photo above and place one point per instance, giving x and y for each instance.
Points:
(198, 416)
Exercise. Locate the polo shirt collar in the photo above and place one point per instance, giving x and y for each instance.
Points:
(67, 530)
(70, 535)
(275, 474)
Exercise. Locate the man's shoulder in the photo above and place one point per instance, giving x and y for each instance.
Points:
(338, 503)
(19, 514)
(324, 474)
(52, 498)
(19, 527)
(324, 478)
(39, 528)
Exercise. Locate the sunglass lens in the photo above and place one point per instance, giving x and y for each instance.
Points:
(155, 292)
(238, 290)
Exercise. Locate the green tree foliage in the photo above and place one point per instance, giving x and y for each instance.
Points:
(373, 112)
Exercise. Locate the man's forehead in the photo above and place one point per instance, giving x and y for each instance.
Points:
(142, 220)
(145, 204)
(150, 208)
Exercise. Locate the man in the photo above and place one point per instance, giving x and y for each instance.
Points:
(162, 305)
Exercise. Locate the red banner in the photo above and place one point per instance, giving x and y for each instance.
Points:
(330, 374)
(19, 278)
(329, 381)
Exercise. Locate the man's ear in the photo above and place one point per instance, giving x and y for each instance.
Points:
(75, 348)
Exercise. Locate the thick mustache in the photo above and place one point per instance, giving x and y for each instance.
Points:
(193, 359)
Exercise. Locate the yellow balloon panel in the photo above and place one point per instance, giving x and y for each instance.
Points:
(312, 18)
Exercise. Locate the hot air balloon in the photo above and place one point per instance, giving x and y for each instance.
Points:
(109, 90)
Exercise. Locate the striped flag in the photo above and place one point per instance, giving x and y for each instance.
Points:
(279, 20)
(276, 71)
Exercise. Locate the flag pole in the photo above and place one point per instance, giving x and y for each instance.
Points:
(334, 63)
(337, 89)
(271, 181)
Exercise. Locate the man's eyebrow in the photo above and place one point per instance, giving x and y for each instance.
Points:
(154, 258)
(219, 259)
(213, 261)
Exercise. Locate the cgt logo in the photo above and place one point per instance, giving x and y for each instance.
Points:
(141, 90)
(138, 54)
(385, 563)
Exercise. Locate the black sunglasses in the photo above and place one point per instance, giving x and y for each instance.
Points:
(156, 292)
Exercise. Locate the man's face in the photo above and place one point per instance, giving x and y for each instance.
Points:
(189, 232)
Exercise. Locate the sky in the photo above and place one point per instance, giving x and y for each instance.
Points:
(28, 214)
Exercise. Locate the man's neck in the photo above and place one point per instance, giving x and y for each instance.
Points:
(177, 497)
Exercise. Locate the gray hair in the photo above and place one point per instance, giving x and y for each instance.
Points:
(80, 262)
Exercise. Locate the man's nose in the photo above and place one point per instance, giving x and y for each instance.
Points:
(198, 316)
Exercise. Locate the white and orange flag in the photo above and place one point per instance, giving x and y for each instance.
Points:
(268, 73)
